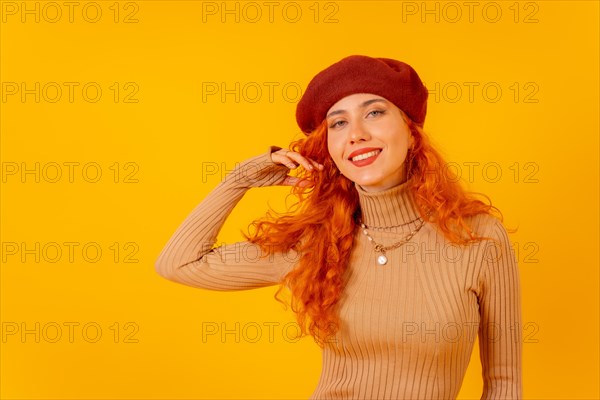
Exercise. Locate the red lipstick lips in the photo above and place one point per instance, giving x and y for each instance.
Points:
(364, 161)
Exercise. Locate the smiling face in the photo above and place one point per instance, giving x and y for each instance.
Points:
(370, 125)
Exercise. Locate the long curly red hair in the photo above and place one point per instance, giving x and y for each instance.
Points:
(322, 224)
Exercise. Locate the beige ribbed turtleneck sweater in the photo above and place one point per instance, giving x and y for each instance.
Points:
(409, 326)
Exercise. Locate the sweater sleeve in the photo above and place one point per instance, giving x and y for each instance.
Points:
(189, 257)
(500, 332)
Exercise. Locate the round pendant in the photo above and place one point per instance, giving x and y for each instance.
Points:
(382, 260)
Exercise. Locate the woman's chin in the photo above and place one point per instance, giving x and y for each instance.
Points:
(368, 185)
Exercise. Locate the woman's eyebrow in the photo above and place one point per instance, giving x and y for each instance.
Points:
(362, 105)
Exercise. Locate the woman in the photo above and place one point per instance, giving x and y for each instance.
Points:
(394, 269)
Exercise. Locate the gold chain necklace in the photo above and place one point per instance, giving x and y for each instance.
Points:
(379, 248)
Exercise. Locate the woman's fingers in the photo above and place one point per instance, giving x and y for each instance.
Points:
(317, 165)
(301, 160)
(292, 180)
(292, 159)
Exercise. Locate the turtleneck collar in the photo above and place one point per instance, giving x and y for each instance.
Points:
(388, 208)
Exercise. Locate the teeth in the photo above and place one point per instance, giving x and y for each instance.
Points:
(365, 155)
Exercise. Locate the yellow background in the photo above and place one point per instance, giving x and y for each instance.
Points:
(549, 47)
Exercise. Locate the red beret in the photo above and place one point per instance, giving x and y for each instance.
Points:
(394, 80)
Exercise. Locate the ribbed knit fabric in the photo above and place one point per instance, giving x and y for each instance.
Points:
(409, 326)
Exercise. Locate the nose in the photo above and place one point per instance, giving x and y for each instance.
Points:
(357, 132)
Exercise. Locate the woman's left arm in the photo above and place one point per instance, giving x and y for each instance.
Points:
(500, 331)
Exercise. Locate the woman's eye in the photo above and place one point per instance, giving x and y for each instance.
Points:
(336, 124)
(376, 112)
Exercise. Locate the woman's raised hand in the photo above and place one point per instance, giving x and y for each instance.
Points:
(292, 159)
